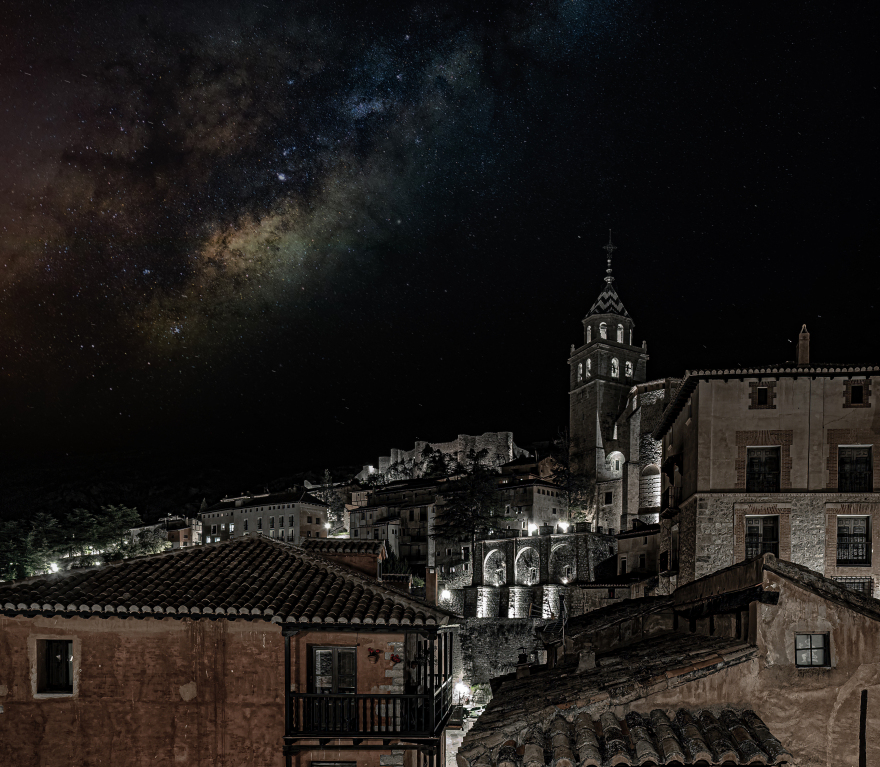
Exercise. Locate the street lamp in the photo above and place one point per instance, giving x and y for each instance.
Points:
(462, 689)
(445, 594)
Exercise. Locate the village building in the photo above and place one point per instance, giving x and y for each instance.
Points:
(366, 557)
(292, 515)
(613, 410)
(249, 652)
(781, 459)
(180, 532)
(764, 662)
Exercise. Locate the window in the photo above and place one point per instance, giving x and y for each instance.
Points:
(271, 523)
(55, 666)
(589, 333)
(609, 497)
(244, 526)
(356, 535)
(615, 368)
(412, 515)
(855, 472)
(811, 650)
(281, 535)
(762, 469)
(213, 529)
(580, 371)
(309, 520)
(641, 561)
(317, 534)
(853, 583)
(857, 394)
(762, 396)
(554, 511)
(259, 523)
(334, 670)
(762, 536)
(853, 541)
(309, 534)
(629, 369)
(272, 533)
(623, 565)
(566, 572)
(603, 330)
(589, 368)
(620, 334)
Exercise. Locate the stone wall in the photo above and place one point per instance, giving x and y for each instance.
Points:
(490, 647)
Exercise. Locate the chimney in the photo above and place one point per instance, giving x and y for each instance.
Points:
(803, 350)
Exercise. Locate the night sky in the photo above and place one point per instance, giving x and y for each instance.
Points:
(325, 229)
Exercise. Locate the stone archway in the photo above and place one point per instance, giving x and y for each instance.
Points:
(494, 568)
(528, 566)
(563, 564)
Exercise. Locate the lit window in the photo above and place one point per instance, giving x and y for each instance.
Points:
(620, 334)
(589, 368)
(615, 368)
(580, 371)
(811, 650)
(603, 330)
(628, 367)
(589, 333)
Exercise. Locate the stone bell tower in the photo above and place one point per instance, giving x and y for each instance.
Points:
(602, 371)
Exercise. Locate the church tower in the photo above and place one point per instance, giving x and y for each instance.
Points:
(602, 373)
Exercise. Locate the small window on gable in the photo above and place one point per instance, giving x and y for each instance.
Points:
(811, 650)
(615, 368)
(620, 334)
(603, 330)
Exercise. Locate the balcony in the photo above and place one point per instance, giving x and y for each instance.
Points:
(315, 715)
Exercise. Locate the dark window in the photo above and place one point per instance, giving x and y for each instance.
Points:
(762, 469)
(862, 585)
(608, 498)
(308, 520)
(623, 565)
(853, 536)
(259, 523)
(857, 395)
(811, 650)
(334, 670)
(762, 536)
(245, 525)
(641, 561)
(55, 673)
(855, 470)
(664, 561)
(271, 523)
(762, 395)
(412, 515)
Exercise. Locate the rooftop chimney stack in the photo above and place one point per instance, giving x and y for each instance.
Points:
(803, 350)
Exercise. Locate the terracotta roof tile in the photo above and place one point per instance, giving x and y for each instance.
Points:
(251, 577)
(343, 546)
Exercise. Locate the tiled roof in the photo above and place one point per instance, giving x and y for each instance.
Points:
(702, 736)
(620, 677)
(344, 546)
(609, 615)
(608, 302)
(789, 369)
(253, 578)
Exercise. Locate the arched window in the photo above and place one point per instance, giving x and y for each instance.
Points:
(630, 336)
(589, 366)
(580, 371)
(620, 334)
(615, 368)
(628, 367)
(603, 330)
(589, 333)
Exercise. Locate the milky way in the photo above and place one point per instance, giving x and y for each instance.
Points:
(199, 190)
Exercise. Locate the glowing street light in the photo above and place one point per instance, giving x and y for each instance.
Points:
(564, 526)
(532, 528)
(462, 689)
(445, 594)
(54, 567)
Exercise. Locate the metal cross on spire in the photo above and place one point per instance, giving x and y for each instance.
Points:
(609, 248)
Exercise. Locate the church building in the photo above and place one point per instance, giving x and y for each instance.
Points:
(612, 407)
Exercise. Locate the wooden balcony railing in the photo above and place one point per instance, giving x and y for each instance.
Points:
(365, 716)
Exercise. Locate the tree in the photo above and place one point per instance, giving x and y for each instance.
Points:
(575, 487)
(471, 506)
(331, 496)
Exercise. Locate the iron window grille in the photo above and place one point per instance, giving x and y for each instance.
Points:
(853, 541)
(863, 585)
(811, 650)
(762, 469)
(855, 470)
(762, 536)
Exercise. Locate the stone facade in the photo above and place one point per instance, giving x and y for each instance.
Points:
(707, 434)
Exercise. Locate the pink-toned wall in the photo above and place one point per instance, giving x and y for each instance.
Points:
(149, 692)
(169, 692)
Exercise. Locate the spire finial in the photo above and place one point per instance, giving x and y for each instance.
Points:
(609, 248)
